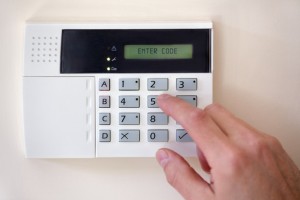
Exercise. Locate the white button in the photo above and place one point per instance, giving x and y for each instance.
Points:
(104, 84)
(129, 118)
(186, 84)
(158, 135)
(104, 118)
(129, 135)
(157, 84)
(129, 84)
(129, 101)
(104, 101)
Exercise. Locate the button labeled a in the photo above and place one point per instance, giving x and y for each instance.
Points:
(104, 84)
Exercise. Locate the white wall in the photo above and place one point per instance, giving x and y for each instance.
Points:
(257, 76)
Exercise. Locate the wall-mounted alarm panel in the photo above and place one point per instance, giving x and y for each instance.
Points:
(90, 90)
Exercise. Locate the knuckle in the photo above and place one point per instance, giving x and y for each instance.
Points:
(196, 115)
(171, 175)
(274, 142)
(263, 147)
(237, 161)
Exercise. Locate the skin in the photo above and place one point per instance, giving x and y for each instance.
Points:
(243, 163)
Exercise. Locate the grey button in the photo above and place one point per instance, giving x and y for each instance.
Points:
(152, 101)
(129, 135)
(191, 99)
(129, 118)
(157, 118)
(104, 101)
(129, 101)
(104, 118)
(104, 84)
(129, 84)
(186, 84)
(104, 136)
(157, 84)
(158, 135)
(183, 136)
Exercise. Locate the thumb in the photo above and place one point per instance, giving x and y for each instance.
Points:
(182, 177)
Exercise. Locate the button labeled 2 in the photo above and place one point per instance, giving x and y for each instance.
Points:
(157, 84)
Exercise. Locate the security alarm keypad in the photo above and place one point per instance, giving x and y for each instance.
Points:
(91, 90)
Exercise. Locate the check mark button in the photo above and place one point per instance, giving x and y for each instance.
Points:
(183, 136)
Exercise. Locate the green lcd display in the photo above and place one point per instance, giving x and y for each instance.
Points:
(158, 51)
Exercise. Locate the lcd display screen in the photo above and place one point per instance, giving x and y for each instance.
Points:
(158, 51)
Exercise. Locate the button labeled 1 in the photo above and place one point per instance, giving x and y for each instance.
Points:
(129, 84)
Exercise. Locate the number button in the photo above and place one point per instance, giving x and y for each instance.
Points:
(183, 136)
(161, 135)
(151, 101)
(186, 84)
(129, 84)
(129, 135)
(104, 84)
(129, 101)
(191, 99)
(157, 118)
(129, 118)
(104, 118)
(157, 84)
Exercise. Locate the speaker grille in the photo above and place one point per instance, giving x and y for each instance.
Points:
(44, 49)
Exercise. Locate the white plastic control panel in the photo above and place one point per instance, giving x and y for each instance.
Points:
(90, 89)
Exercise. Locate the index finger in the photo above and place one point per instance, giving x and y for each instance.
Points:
(204, 131)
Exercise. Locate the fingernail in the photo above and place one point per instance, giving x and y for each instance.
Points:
(162, 157)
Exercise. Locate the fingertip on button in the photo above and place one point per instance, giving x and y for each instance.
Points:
(163, 97)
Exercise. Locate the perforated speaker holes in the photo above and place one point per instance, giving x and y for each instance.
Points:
(44, 49)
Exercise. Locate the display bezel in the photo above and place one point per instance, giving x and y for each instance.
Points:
(87, 51)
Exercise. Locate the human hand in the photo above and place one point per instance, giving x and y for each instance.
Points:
(243, 162)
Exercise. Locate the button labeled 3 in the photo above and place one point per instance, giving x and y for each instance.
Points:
(187, 84)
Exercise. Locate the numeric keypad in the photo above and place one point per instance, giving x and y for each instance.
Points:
(133, 115)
